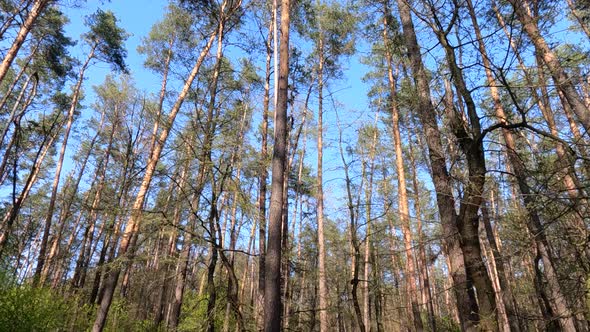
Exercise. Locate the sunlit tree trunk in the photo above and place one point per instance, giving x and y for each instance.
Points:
(563, 82)
(423, 263)
(62, 152)
(402, 195)
(135, 219)
(65, 212)
(442, 182)
(272, 286)
(25, 28)
(262, 177)
(322, 286)
(17, 202)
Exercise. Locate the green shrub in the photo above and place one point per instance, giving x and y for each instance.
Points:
(25, 308)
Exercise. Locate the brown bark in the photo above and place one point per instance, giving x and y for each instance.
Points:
(403, 207)
(354, 241)
(135, 219)
(563, 82)
(13, 212)
(32, 16)
(272, 287)
(262, 179)
(62, 152)
(442, 182)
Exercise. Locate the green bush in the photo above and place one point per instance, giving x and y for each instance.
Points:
(25, 308)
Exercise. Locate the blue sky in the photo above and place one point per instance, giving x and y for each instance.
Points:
(137, 18)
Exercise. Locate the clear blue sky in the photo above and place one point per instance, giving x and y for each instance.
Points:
(137, 18)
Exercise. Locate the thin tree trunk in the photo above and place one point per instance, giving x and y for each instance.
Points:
(62, 153)
(272, 287)
(79, 279)
(421, 246)
(211, 289)
(13, 212)
(171, 247)
(33, 15)
(446, 204)
(403, 206)
(135, 219)
(182, 268)
(65, 212)
(578, 18)
(355, 256)
(368, 210)
(322, 286)
(559, 75)
(262, 177)
(17, 103)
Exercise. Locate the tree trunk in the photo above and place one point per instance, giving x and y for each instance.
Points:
(403, 206)
(33, 15)
(563, 82)
(355, 256)
(135, 219)
(423, 263)
(211, 290)
(262, 177)
(322, 284)
(446, 204)
(13, 212)
(65, 212)
(578, 18)
(471, 143)
(272, 287)
(62, 152)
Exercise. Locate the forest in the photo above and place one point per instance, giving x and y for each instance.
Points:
(295, 165)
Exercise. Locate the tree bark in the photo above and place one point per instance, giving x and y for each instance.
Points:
(33, 15)
(446, 203)
(423, 263)
(322, 286)
(135, 219)
(263, 175)
(62, 152)
(578, 18)
(272, 287)
(13, 212)
(563, 82)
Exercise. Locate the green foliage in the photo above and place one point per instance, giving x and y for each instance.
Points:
(446, 324)
(52, 56)
(121, 318)
(194, 311)
(330, 26)
(172, 35)
(25, 308)
(108, 38)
